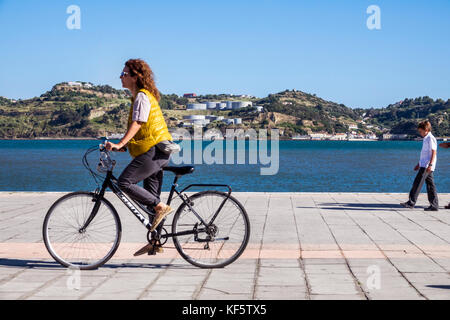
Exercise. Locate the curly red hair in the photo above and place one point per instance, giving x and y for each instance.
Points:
(145, 76)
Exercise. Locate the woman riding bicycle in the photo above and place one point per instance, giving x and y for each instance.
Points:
(146, 128)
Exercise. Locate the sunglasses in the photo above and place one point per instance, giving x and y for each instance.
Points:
(124, 74)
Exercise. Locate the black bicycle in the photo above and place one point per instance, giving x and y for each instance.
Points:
(210, 229)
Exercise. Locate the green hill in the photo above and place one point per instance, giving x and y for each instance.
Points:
(312, 113)
(65, 111)
(402, 117)
(82, 109)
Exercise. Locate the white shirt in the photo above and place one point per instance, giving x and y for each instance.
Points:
(429, 144)
(141, 108)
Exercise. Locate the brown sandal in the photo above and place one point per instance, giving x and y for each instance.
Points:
(160, 216)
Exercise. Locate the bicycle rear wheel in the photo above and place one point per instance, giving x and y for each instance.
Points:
(86, 249)
(228, 234)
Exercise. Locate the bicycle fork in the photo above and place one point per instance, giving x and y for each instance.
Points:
(98, 196)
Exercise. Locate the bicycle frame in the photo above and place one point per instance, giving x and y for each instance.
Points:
(111, 182)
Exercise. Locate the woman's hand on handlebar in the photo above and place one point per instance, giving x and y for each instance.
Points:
(114, 147)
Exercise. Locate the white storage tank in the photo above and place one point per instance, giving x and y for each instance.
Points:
(236, 105)
(194, 117)
(200, 122)
(241, 104)
(221, 105)
(211, 104)
(196, 106)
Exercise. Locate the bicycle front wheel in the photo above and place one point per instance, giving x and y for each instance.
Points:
(227, 235)
(83, 249)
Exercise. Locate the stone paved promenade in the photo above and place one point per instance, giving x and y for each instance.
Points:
(302, 246)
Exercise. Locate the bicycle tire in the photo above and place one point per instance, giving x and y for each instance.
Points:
(56, 256)
(195, 197)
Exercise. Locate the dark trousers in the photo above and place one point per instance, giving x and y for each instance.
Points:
(424, 176)
(147, 167)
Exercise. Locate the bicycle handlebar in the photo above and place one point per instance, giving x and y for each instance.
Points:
(103, 148)
(105, 159)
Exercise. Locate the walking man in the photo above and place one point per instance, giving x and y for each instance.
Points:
(426, 167)
(445, 145)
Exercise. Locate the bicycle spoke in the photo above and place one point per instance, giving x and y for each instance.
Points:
(230, 223)
(72, 246)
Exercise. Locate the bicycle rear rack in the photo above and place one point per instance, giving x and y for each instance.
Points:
(208, 185)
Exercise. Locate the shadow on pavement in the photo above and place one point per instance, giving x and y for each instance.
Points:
(360, 206)
(42, 264)
(439, 286)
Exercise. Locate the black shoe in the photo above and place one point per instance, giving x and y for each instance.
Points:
(407, 204)
(430, 208)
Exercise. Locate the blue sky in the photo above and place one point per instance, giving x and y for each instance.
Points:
(240, 47)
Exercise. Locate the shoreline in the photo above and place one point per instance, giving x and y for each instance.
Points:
(281, 139)
(46, 138)
(3, 192)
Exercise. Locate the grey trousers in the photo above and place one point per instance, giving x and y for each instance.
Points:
(147, 167)
(423, 176)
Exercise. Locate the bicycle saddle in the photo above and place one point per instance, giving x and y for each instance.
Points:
(180, 170)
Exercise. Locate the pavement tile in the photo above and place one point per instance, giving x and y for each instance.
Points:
(302, 246)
